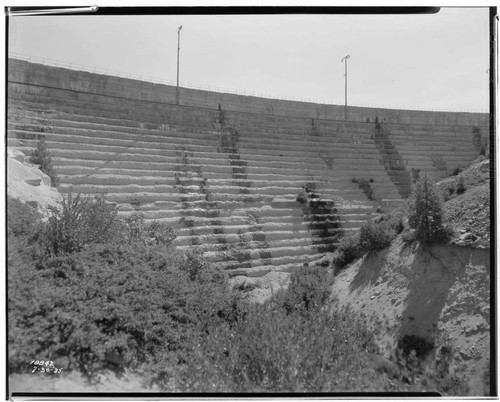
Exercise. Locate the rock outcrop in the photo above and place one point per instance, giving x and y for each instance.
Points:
(27, 183)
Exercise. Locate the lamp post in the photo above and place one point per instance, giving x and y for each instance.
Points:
(345, 75)
(178, 50)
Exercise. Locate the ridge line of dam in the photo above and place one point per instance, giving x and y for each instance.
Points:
(209, 100)
(214, 109)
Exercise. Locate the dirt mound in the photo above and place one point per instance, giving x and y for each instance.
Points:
(439, 294)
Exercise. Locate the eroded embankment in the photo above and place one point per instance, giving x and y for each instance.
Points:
(438, 293)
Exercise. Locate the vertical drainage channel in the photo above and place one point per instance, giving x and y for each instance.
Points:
(189, 179)
(392, 160)
(321, 218)
(228, 144)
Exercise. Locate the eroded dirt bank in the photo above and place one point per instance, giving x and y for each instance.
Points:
(439, 293)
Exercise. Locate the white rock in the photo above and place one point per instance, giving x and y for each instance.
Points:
(16, 154)
(28, 184)
(485, 166)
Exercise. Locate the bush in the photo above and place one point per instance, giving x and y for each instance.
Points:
(374, 236)
(479, 143)
(348, 250)
(309, 289)
(302, 197)
(22, 220)
(41, 156)
(136, 304)
(409, 236)
(274, 349)
(399, 226)
(106, 297)
(425, 212)
(460, 186)
(365, 186)
(81, 220)
(420, 346)
(136, 229)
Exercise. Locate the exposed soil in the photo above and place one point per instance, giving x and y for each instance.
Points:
(439, 293)
(469, 211)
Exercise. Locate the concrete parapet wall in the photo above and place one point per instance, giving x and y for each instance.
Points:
(38, 74)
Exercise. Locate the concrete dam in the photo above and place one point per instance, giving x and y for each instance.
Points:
(258, 185)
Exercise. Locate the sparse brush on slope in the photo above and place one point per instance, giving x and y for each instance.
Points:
(372, 236)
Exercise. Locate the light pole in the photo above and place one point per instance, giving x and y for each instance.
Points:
(178, 50)
(345, 75)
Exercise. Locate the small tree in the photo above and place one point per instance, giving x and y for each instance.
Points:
(461, 186)
(478, 141)
(425, 212)
(41, 156)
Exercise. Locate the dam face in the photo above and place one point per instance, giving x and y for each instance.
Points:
(258, 185)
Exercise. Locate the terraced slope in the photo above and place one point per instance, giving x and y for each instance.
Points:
(256, 192)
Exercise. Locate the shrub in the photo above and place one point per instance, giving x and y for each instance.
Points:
(399, 226)
(41, 156)
(415, 175)
(478, 141)
(81, 220)
(348, 250)
(420, 346)
(302, 197)
(136, 303)
(365, 186)
(374, 236)
(425, 212)
(271, 349)
(409, 236)
(136, 229)
(309, 289)
(460, 186)
(22, 220)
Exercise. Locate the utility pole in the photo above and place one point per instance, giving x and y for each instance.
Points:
(178, 50)
(345, 75)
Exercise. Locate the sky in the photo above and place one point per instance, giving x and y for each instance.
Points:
(428, 62)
